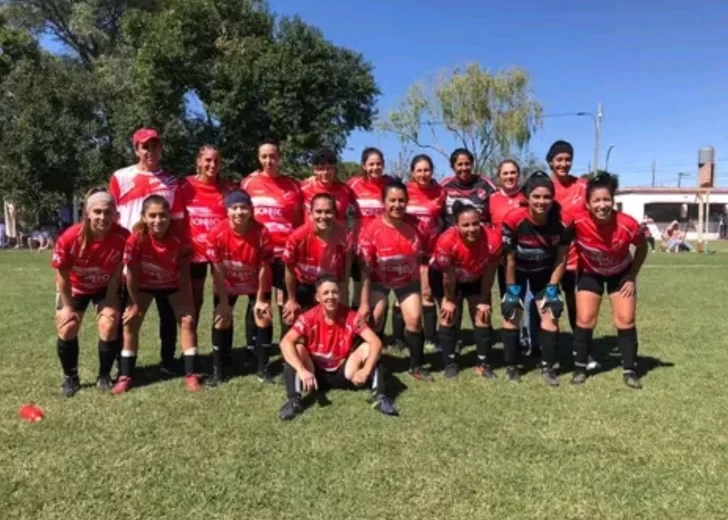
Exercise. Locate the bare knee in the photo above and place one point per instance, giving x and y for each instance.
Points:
(624, 321)
(187, 323)
(108, 323)
(68, 331)
(412, 322)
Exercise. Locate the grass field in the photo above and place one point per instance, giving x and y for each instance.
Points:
(460, 450)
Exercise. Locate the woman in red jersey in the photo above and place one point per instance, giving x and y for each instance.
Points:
(324, 181)
(367, 189)
(240, 252)
(320, 247)
(320, 355)
(157, 260)
(204, 201)
(88, 262)
(603, 238)
(392, 254)
(536, 238)
(278, 205)
(463, 268)
(427, 204)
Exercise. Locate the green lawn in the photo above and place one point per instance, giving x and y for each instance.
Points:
(460, 450)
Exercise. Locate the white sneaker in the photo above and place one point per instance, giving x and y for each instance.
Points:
(592, 364)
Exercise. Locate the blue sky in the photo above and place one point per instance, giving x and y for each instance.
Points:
(660, 67)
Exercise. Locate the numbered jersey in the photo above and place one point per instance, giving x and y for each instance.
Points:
(91, 267)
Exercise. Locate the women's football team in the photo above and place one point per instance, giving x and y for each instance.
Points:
(297, 245)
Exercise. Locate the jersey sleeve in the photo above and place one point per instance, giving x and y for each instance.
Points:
(357, 324)
(266, 247)
(290, 251)
(509, 231)
(495, 242)
(443, 251)
(302, 325)
(637, 231)
(62, 258)
(114, 189)
(132, 251)
(213, 252)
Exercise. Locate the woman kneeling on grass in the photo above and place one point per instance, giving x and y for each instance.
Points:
(88, 260)
(463, 267)
(603, 239)
(241, 253)
(536, 239)
(157, 260)
(319, 352)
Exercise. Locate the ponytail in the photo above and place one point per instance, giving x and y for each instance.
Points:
(459, 207)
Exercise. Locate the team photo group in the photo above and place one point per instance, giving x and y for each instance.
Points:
(326, 257)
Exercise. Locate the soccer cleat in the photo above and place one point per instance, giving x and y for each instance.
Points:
(420, 374)
(512, 375)
(451, 371)
(485, 371)
(192, 383)
(71, 385)
(632, 380)
(549, 376)
(168, 369)
(264, 376)
(384, 405)
(291, 409)
(592, 364)
(215, 379)
(122, 385)
(397, 344)
(104, 382)
(579, 378)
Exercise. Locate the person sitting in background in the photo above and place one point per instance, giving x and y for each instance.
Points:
(675, 239)
(647, 233)
(40, 240)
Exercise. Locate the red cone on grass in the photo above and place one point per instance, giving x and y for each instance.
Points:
(31, 413)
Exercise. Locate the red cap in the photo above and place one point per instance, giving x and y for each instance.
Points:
(144, 135)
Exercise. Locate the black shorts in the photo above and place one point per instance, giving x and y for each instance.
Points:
(233, 298)
(462, 290)
(81, 301)
(335, 380)
(160, 293)
(536, 281)
(279, 275)
(400, 293)
(568, 282)
(355, 269)
(595, 283)
(198, 270)
(306, 295)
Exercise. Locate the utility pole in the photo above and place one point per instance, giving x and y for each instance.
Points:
(679, 178)
(598, 125)
(654, 171)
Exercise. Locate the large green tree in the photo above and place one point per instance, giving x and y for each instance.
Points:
(492, 115)
(228, 72)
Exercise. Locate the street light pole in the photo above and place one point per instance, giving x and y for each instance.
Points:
(597, 131)
(609, 151)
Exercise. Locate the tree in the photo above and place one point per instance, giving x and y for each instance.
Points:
(492, 115)
(347, 169)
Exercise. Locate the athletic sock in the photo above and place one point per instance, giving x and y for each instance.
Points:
(397, 323)
(628, 346)
(190, 356)
(429, 317)
(251, 328)
(447, 344)
(483, 343)
(376, 380)
(415, 342)
(107, 356)
(68, 355)
(549, 340)
(293, 384)
(262, 346)
(510, 346)
(127, 363)
(581, 345)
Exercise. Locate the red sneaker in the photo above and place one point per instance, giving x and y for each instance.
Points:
(192, 382)
(122, 385)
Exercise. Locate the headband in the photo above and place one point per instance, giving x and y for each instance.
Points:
(99, 198)
(237, 197)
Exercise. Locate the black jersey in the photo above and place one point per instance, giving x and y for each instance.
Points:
(476, 193)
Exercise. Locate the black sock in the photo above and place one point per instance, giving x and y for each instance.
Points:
(221, 346)
(415, 342)
(581, 343)
(251, 328)
(447, 344)
(68, 354)
(107, 356)
(397, 323)
(376, 380)
(127, 365)
(549, 340)
(293, 388)
(429, 317)
(510, 346)
(167, 330)
(627, 340)
(262, 345)
(190, 357)
(571, 311)
(483, 343)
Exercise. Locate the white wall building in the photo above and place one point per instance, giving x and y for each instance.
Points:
(664, 205)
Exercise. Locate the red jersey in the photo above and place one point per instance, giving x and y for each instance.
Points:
(469, 260)
(368, 193)
(604, 248)
(130, 186)
(92, 269)
(205, 208)
(346, 207)
(536, 245)
(571, 196)
(277, 204)
(501, 203)
(329, 344)
(158, 261)
(314, 256)
(427, 205)
(394, 254)
(242, 256)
